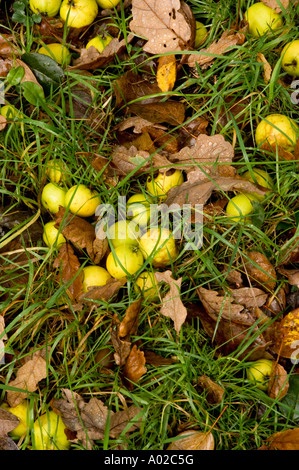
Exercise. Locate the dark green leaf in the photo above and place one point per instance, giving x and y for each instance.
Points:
(19, 17)
(15, 76)
(47, 71)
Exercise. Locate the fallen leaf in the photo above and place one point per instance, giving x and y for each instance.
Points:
(193, 440)
(104, 293)
(267, 69)
(132, 160)
(278, 382)
(122, 346)
(249, 296)
(68, 264)
(129, 323)
(7, 46)
(27, 378)
(286, 336)
(134, 367)
(172, 305)
(166, 72)
(3, 337)
(260, 271)
(164, 25)
(8, 422)
(170, 112)
(291, 274)
(284, 440)
(214, 392)
(275, 5)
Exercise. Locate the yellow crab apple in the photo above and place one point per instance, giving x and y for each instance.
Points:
(78, 13)
(161, 184)
(58, 52)
(81, 200)
(290, 58)
(45, 7)
(125, 260)
(49, 433)
(147, 284)
(200, 34)
(10, 112)
(56, 170)
(52, 236)
(240, 206)
(260, 372)
(262, 19)
(99, 42)
(94, 276)
(21, 411)
(260, 177)
(138, 209)
(277, 129)
(52, 197)
(159, 244)
(123, 232)
(108, 3)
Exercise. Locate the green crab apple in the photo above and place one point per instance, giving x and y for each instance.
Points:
(48, 433)
(99, 42)
(159, 244)
(123, 232)
(21, 411)
(260, 372)
(108, 3)
(45, 7)
(161, 184)
(290, 58)
(260, 177)
(78, 13)
(147, 284)
(200, 34)
(94, 276)
(138, 209)
(52, 236)
(58, 52)
(125, 260)
(56, 170)
(240, 206)
(52, 197)
(82, 200)
(277, 129)
(262, 19)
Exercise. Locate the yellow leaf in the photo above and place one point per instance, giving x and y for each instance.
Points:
(166, 72)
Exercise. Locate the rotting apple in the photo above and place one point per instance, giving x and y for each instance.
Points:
(52, 197)
(159, 244)
(81, 200)
(52, 236)
(58, 52)
(277, 129)
(123, 261)
(108, 3)
(99, 42)
(78, 13)
(163, 182)
(200, 34)
(261, 177)
(48, 433)
(123, 232)
(94, 276)
(262, 19)
(146, 283)
(138, 209)
(290, 58)
(240, 206)
(45, 7)
(21, 411)
(260, 372)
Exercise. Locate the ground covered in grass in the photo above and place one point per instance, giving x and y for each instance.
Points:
(122, 370)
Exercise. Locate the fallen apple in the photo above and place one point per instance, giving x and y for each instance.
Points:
(123, 232)
(94, 276)
(52, 236)
(261, 177)
(262, 19)
(277, 129)
(125, 260)
(138, 209)
(21, 411)
(45, 7)
(161, 184)
(108, 3)
(48, 433)
(82, 200)
(78, 13)
(146, 283)
(200, 34)
(260, 372)
(56, 171)
(52, 197)
(240, 206)
(58, 52)
(159, 245)
(99, 42)
(290, 58)
(10, 112)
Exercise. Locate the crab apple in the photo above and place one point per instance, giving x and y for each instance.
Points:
(138, 209)
(240, 206)
(161, 184)
(200, 34)
(262, 19)
(99, 42)
(108, 3)
(147, 285)
(21, 411)
(78, 13)
(45, 7)
(159, 244)
(94, 276)
(48, 433)
(52, 197)
(125, 260)
(290, 58)
(260, 177)
(58, 52)
(277, 129)
(82, 200)
(123, 232)
(52, 236)
(260, 372)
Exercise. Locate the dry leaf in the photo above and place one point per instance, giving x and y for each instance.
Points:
(260, 271)
(286, 336)
(27, 378)
(278, 382)
(136, 161)
(214, 392)
(249, 296)
(166, 72)
(291, 274)
(68, 264)
(129, 323)
(170, 112)
(172, 306)
(122, 346)
(3, 337)
(227, 40)
(134, 367)
(267, 69)
(104, 293)
(276, 5)
(164, 25)
(193, 440)
(285, 440)
(8, 422)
